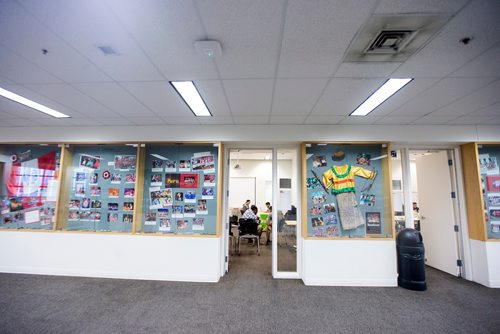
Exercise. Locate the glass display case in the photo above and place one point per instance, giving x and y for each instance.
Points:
(29, 185)
(347, 191)
(180, 189)
(489, 157)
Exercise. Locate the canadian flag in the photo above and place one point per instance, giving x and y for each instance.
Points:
(31, 178)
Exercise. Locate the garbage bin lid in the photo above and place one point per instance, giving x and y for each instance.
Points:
(409, 237)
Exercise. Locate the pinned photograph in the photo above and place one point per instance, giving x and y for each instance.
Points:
(112, 217)
(493, 183)
(488, 165)
(162, 213)
(189, 180)
(164, 225)
(332, 231)
(157, 165)
(112, 206)
(330, 207)
(179, 196)
(182, 224)
(495, 228)
(494, 199)
(128, 218)
(315, 211)
(154, 198)
(84, 215)
(209, 180)
(189, 197)
(202, 207)
(184, 165)
(74, 204)
(319, 232)
(312, 183)
(198, 224)
(86, 203)
(363, 159)
(129, 192)
(80, 189)
(94, 177)
(125, 162)
(150, 218)
(495, 213)
(190, 210)
(166, 198)
(331, 219)
(116, 178)
(207, 193)
(177, 211)
(16, 204)
(156, 179)
(170, 166)
(96, 204)
(318, 197)
(113, 192)
(317, 221)
(203, 162)
(172, 180)
(373, 223)
(80, 176)
(95, 191)
(367, 199)
(319, 161)
(89, 161)
(128, 206)
(31, 217)
(129, 178)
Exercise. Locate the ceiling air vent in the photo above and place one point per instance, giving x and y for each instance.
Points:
(390, 41)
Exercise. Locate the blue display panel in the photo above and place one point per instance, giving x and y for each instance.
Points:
(489, 157)
(345, 192)
(102, 186)
(29, 184)
(180, 189)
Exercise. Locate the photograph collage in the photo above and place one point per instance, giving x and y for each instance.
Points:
(344, 190)
(179, 191)
(490, 181)
(30, 188)
(103, 191)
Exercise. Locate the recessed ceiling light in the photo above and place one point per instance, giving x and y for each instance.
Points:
(189, 93)
(31, 104)
(384, 92)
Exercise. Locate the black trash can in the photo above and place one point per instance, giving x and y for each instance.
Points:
(411, 260)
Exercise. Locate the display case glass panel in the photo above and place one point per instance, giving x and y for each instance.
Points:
(489, 157)
(29, 184)
(100, 188)
(347, 191)
(180, 189)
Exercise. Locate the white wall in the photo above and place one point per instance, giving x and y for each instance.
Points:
(111, 255)
(349, 262)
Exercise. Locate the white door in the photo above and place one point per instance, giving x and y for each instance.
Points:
(437, 220)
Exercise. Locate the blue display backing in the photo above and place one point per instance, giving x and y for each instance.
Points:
(331, 226)
(107, 155)
(491, 198)
(16, 219)
(177, 153)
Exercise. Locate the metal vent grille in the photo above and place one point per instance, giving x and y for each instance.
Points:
(390, 41)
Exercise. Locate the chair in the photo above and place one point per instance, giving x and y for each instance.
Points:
(248, 231)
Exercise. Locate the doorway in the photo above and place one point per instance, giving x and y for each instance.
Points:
(263, 176)
(435, 208)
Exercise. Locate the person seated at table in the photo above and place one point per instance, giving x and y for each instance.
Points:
(291, 214)
(245, 206)
(269, 227)
(252, 214)
(268, 207)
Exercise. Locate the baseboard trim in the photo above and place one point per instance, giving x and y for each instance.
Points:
(352, 282)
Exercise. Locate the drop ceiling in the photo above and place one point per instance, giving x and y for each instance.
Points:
(282, 62)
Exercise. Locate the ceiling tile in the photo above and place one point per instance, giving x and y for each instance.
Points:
(395, 120)
(343, 95)
(214, 96)
(278, 119)
(158, 96)
(494, 121)
(147, 120)
(255, 119)
(115, 98)
(250, 34)
(113, 121)
(20, 122)
(166, 31)
(249, 97)
(366, 70)
(360, 120)
(472, 120)
(421, 6)
(182, 120)
(312, 42)
(296, 96)
(434, 120)
(27, 37)
(445, 54)
(441, 94)
(216, 120)
(71, 21)
(485, 65)
(321, 120)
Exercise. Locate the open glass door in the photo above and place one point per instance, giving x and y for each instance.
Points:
(287, 226)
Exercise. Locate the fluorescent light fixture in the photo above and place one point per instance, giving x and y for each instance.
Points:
(31, 104)
(187, 90)
(161, 157)
(385, 91)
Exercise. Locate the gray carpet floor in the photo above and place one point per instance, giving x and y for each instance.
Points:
(246, 300)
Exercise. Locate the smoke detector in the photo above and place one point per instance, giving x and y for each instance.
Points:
(209, 49)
